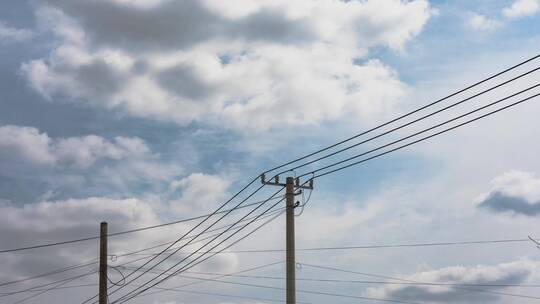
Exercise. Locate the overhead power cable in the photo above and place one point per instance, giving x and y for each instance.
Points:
(60, 270)
(437, 244)
(228, 246)
(190, 231)
(67, 280)
(207, 293)
(419, 140)
(137, 291)
(413, 121)
(301, 291)
(218, 277)
(407, 114)
(364, 281)
(136, 252)
(123, 232)
(457, 287)
(408, 282)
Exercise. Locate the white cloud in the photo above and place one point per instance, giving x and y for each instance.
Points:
(11, 34)
(514, 191)
(198, 191)
(505, 273)
(481, 22)
(29, 145)
(248, 61)
(89, 164)
(521, 8)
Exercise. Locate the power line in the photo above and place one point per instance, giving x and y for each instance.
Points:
(413, 281)
(135, 293)
(409, 282)
(184, 291)
(414, 121)
(47, 284)
(82, 265)
(367, 282)
(192, 229)
(480, 242)
(218, 277)
(416, 141)
(136, 252)
(300, 291)
(407, 114)
(125, 231)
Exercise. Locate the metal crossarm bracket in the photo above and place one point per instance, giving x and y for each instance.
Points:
(297, 184)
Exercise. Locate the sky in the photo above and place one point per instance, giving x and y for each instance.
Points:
(141, 112)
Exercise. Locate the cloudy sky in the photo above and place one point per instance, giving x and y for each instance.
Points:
(141, 112)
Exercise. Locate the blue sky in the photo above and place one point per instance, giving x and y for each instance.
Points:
(126, 111)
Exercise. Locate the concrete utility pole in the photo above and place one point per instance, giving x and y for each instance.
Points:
(103, 263)
(290, 253)
(290, 185)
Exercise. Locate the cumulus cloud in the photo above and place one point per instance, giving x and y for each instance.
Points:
(237, 64)
(11, 34)
(53, 221)
(506, 273)
(521, 8)
(87, 164)
(482, 22)
(514, 191)
(198, 191)
(30, 145)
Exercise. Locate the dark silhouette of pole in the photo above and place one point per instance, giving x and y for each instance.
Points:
(103, 263)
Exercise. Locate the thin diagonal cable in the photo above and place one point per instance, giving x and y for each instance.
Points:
(413, 142)
(45, 285)
(303, 291)
(409, 113)
(365, 282)
(94, 261)
(64, 269)
(218, 277)
(455, 286)
(138, 252)
(228, 246)
(191, 230)
(119, 232)
(480, 242)
(187, 291)
(178, 263)
(44, 291)
(414, 281)
(413, 121)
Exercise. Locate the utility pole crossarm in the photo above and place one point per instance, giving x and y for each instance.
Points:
(297, 185)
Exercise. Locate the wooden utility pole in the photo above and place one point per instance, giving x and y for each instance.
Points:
(290, 251)
(103, 263)
(291, 184)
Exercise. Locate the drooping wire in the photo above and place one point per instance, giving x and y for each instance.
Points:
(457, 287)
(407, 114)
(426, 130)
(189, 232)
(122, 232)
(187, 267)
(414, 121)
(121, 274)
(135, 292)
(38, 287)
